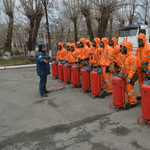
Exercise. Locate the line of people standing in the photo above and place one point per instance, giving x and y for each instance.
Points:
(110, 57)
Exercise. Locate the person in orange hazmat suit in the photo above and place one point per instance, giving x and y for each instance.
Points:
(74, 54)
(68, 51)
(143, 59)
(97, 57)
(121, 56)
(78, 48)
(107, 58)
(113, 44)
(61, 53)
(130, 68)
(90, 45)
(84, 52)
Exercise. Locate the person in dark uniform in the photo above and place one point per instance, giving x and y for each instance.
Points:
(43, 68)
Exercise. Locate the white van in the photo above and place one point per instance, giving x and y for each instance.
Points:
(130, 34)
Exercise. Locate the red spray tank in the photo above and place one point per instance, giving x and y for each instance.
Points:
(54, 67)
(85, 78)
(145, 102)
(75, 75)
(67, 72)
(60, 71)
(96, 82)
(118, 84)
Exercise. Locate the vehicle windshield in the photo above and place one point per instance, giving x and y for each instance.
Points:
(130, 32)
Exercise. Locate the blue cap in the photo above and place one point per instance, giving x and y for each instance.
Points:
(41, 45)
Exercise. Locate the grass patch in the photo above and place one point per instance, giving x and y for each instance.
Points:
(20, 60)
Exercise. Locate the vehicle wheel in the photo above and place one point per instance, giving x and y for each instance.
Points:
(127, 105)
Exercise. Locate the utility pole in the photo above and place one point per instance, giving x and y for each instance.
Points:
(111, 21)
(146, 11)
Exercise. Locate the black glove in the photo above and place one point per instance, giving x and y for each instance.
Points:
(107, 69)
(147, 72)
(92, 65)
(79, 60)
(99, 67)
(118, 70)
(115, 65)
(86, 64)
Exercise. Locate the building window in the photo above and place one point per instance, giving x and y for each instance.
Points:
(14, 44)
(52, 43)
(46, 36)
(14, 35)
(26, 35)
(40, 35)
(51, 36)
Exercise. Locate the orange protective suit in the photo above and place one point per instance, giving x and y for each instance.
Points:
(116, 51)
(73, 55)
(121, 58)
(78, 49)
(85, 51)
(68, 52)
(96, 52)
(61, 54)
(108, 52)
(91, 51)
(145, 57)
(97, 57)
(130, 67)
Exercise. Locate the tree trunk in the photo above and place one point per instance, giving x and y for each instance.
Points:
(9, 34)
(130, 20)
(37, 24)
(30, 39)
(99, 27)
(75, 30)
(146, 13)
(62, 31)
(47, 24)
(102, 27)
(111, 21)
(88, 22)
(34, 27)
(68, 35)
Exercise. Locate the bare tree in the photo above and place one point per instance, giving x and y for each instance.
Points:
(34, 11)
(105, 8)
(9, 10)
(73, 13)
(47, 4)
(85, 8)
(132, 7)
(121, 18)
(111, 23)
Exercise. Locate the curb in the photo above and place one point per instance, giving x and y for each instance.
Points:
(19, 66)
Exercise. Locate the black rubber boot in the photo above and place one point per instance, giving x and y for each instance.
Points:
(79, 85)
(138, 98)
(44, 95)
(133, 105)
(127, 105)
(108, 93)
(102, 94)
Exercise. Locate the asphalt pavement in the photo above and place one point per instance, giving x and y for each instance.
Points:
(66, 120)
